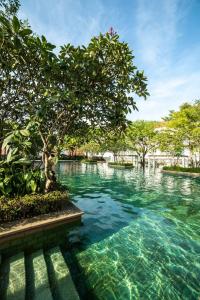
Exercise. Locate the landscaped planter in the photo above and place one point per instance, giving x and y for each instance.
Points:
(120, 165)
(178, 170)
(181, 173)
(28, 206)
(34, 232)
(88, 161)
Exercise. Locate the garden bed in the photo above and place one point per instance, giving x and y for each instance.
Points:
(23, 233)
(120, 165)
(89, 161)
(22, 207)
(177, 170)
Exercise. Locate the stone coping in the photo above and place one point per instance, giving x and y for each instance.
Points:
(21, 228)
(181, 173)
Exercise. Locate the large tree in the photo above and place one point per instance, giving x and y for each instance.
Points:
(141, 138)
(185, 123)
(80, 86)
(171, 140)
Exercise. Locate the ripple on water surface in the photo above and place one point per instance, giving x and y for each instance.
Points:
(141, 233)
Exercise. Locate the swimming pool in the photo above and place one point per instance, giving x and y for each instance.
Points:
(141, 232)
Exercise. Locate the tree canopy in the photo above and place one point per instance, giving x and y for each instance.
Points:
(81, 86)
(141, 138)
(184, 125)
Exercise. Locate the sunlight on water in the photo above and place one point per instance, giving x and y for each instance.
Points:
(141, 233)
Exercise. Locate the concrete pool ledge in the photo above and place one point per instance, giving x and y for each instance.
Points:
(22, 228)
(195, 175)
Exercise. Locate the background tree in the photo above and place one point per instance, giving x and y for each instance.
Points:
(171, 141)
(141, 138)
(186, 122)
(9, 8)
(72, 144)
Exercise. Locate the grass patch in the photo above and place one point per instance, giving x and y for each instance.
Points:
(181, 169)
(28, 206)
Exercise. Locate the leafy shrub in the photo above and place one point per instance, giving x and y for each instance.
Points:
(17, 182)
(98, 158)
(123, 164)
(68, 157)
(181, 169)
(31, 205)
(89, 160)
(17, 174)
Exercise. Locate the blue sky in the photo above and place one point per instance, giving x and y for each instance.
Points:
(164, 35)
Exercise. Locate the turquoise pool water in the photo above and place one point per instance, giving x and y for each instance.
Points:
(141, 232)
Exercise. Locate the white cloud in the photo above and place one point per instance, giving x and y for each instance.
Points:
(173, 76)
(156, 29)
(64, 21)
(171, 81)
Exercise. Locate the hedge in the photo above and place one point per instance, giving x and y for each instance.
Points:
(89, 161)
(27, 206)
(117, 163)
(68, 157)
(181, 169)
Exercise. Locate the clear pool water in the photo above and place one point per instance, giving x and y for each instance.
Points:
(141, 232)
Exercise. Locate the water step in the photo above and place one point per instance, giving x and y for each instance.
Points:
(61, 283)
(38, 287)
(16, 279)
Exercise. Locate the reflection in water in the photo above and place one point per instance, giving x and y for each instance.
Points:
(141, 233)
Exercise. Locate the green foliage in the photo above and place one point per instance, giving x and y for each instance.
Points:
(98, 158)
(184, 127)
(92, 147)
(89, 161)
(68, 157)
(12, 209)
(17, 175)
(64, 93)
(120, 164)
(181, 169)
(171, 141)
(9, 7)
(141, 138)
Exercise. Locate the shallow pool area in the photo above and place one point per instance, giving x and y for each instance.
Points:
(140, 237)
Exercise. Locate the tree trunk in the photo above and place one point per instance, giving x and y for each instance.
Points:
(50, 177)
(143, 161)
(115, 156)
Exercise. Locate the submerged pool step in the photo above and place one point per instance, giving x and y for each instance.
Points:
(60, 280)
(37, 282)
(16, 278)
(40, 275)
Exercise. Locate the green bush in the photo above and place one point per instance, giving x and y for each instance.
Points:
(18, 176)
(118, 163)
(181, 169)
(12, 209)
(98, 158)
(89, 161)
(68, 157)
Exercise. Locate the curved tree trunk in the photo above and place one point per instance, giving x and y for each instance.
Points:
(50, 177)
(142, 161)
